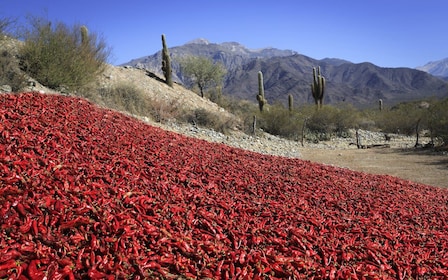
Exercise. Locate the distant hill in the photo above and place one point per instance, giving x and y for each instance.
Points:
(437, 68)
(360, 84)
(286, 71)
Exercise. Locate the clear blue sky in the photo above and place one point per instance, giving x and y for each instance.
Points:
(388, 33)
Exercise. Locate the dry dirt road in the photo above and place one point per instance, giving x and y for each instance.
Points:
(421, 166)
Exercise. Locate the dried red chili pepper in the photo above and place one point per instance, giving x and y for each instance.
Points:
(99, 189)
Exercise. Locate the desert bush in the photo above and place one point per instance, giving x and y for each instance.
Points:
(55, 55)
(330, 121)
(125, 97)
(321, 122)
(163, 110)
(401, 118)
(437, 120)
(212, 120)
(129, 98)
(278, 120)
(346, 117)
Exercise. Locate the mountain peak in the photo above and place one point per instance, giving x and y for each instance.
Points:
(436, 68)
(199, 41)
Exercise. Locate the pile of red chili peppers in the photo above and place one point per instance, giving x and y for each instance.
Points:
(89, 193)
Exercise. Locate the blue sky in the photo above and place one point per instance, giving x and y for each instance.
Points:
(388, 33)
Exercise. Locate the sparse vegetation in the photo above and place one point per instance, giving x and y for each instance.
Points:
(205, 118)
(54, 54)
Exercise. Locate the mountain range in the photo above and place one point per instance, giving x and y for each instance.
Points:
(288, 72)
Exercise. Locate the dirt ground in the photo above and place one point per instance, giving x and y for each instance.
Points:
(423, 166)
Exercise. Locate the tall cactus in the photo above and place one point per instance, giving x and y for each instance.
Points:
(380, 104)
(290, 102)
(318, 87)
(166, 63)
(84, 35)
(260, 97)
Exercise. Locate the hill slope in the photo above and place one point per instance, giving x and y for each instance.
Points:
(90, 193)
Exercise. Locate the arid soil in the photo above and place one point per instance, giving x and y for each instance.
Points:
(423, 166)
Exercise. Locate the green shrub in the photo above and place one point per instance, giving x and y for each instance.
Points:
(402, 118)
(437, 120)
(278, 120)
(55, 55)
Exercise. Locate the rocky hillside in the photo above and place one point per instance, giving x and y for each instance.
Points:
(287, 72)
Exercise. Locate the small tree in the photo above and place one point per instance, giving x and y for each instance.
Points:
(203, 72)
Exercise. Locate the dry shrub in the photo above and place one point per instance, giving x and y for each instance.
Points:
(163, 110)
(212, 120)
(55, 55)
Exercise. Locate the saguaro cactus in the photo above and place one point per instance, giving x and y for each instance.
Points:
(84, 35)
(380, 104)
(290, 102)
(318, 87)
(166, 63)
(260, 97)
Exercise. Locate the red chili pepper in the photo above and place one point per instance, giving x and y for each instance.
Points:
(33, 271)
(34, 228)
(21, 209)
(95, 274)
(242, 258)
(8, 255)
(8, 265)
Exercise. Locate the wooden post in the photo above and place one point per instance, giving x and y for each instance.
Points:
(358, 141)
(303, 130)
(254, 125)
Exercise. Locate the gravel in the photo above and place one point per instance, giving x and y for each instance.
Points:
(265, 143)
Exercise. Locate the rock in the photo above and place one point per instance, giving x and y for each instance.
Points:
(5, 89)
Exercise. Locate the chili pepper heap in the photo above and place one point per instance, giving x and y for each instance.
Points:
(89, 193)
